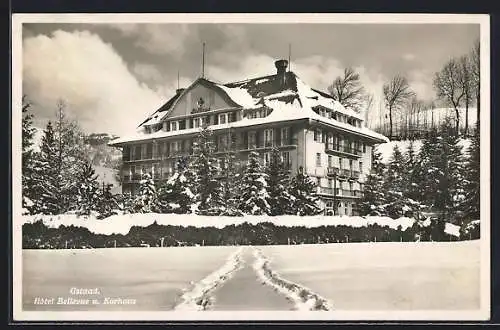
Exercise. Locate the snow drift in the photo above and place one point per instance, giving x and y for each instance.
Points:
(304, 298)
(121, 224)
(198, 298)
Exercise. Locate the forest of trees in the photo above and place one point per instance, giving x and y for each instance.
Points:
(439, 179)
(405, 115)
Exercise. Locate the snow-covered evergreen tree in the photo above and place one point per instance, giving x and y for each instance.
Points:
(441, 171)
(146, 200)
(209, 192)
(425, 171)
(46, 179)
(88, 190)
(394, 186)
(253, 197)
(374, 196)
(231, 179)
(471, 204)
(410, 176)
(278, 180)
(107, 203)
(175, 195)
(302, 189)
(70, 156)
(28, 155)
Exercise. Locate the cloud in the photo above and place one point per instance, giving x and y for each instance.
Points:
(99, 89)
(409, 57)
(158, 39)
(421, 83)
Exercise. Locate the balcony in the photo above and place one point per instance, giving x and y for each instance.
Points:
(266, 145)
(337, 192)
(338, 149)
(333, 171)
(345, 173)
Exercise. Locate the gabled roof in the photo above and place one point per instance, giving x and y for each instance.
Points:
(288, 96)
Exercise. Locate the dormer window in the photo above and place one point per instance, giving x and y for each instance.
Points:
(173, 126)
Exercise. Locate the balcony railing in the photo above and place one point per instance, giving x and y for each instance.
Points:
(343, 149)
(338, 192)
(345, 173)
(333, 171)
(355, 174)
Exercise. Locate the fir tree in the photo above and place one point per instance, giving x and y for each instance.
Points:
(253, 194)
(28, 155)
(70, 157)
(204, 168)
(302, 189)
(471, 204)
(146, 199)
(394, 185)
(425, 170)
(174, 195)
(441, 171)
(88, 190)
(231, 179)
(46, 181)
(107, 203)
(280, 200)
(374, 195)
(411, 180)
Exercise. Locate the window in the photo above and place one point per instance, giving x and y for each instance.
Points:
(350, 164)
(364, 147)
(222, 118)
(268, 137)
(173, 126)
(132, 153)
(285, 136)
(330, 183)
(330, 161)
(341, 162)
(267, 158)
(285, 156)
(252, 141)
(361, 167)
(317, 135)
(173, 148)
(222, 142)
(350, 186)
(196, 122)
(318, 159)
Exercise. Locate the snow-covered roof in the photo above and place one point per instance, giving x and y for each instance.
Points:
(287, 95)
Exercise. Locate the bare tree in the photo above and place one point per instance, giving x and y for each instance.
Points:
(475, 71)
(397, 92)
(466, 81)
(348, 90)
(447, 84)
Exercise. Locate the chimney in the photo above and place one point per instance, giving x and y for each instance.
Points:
(281, 66)
(179, 90)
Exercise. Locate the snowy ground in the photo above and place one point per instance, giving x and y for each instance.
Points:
(356, 276)
(155, 277)
(385, 276)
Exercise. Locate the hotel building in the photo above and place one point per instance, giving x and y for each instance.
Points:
(311, 129)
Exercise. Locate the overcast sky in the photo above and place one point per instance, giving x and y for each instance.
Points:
(114, 75)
